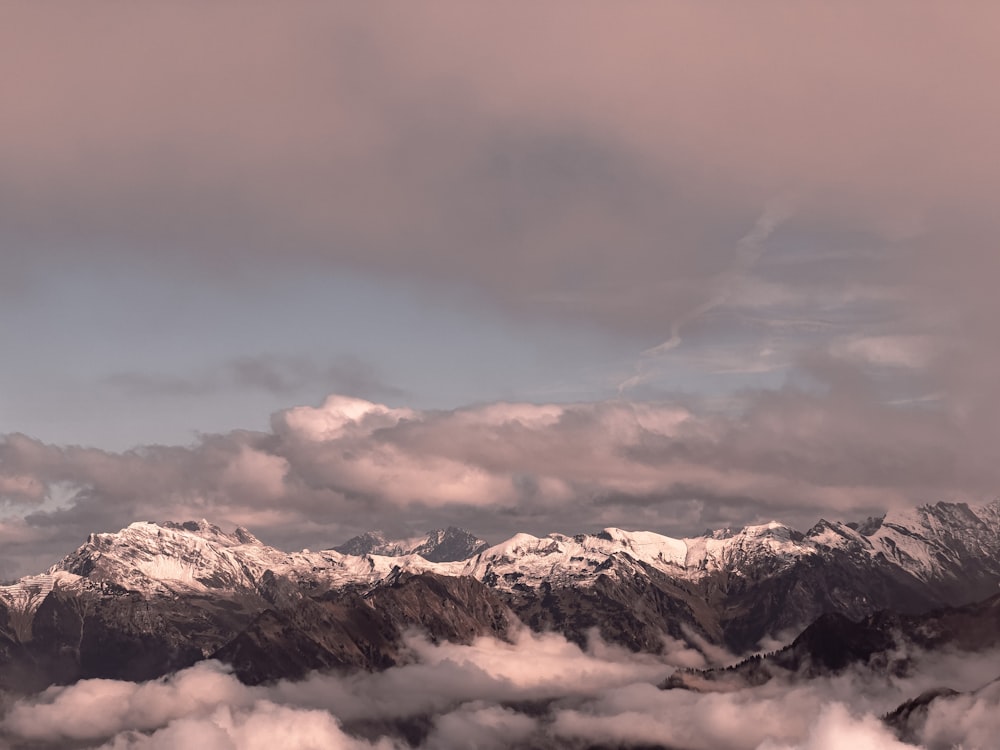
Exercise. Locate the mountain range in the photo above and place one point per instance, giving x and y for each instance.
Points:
(156, 597)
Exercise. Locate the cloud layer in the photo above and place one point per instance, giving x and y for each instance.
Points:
(538, 691)
(606, 165)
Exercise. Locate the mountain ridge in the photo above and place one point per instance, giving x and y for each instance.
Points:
(182, 591)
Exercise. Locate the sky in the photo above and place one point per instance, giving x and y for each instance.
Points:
(318, 268)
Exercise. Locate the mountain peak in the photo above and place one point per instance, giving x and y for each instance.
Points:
(203, 528)
(148, 556)
(450, 544)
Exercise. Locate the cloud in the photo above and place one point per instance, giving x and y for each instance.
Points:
(462, 685)
(886, 351)
(588, 175)
(968, 721)
(95, 709)
(831, 446)
(818, 213)
(483, 727)
(748, 251)
(534, 667)
(21, 488)
(202, 706)
(261, 727)
(539, 691)
(837, 728)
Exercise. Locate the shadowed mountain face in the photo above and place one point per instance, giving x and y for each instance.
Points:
(908, 720)
(153, 598)
(442, 545)
(882, 642)
(115, 634)
(348, 630)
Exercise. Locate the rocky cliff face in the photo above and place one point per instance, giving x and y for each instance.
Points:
(348, 630)
(155, 597)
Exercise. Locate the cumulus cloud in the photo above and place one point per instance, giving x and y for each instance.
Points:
(264, 726)
(203, 706)
(322, 474)
(534, 667)
(461, 685)
(538, 691)
(95, 709)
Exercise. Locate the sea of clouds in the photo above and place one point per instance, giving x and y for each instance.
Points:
(538, 691)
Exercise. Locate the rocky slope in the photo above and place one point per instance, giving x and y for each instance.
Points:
(348, 630)
(884, 643)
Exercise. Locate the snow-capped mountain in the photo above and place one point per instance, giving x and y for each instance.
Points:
(939, 544)
(934, 543)
(197, 557)
(930, 542)
(162, 594)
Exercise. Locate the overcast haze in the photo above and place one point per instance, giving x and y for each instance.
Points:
(318, 268)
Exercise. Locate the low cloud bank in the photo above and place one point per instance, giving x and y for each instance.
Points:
(539, 691)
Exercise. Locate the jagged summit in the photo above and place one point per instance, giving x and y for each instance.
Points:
(450, 544)
(208, 530)
(197, 556)
(371, 542)
(175, 556)
(441, 545)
